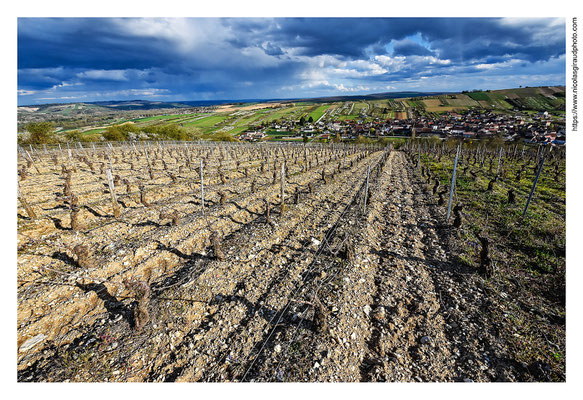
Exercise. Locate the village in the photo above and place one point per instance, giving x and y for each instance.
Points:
(538, 127)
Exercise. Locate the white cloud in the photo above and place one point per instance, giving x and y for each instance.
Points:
(22, 92)
(104, 74)
(154, 92)
(392, 64)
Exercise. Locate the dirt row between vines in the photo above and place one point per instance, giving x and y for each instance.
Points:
(394, 306)
(120, 250)
(401, 311)
(385, 322)
(248, 246)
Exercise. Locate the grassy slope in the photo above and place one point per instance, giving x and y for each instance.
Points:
(526, 99)
(529, 253)
(318, 112)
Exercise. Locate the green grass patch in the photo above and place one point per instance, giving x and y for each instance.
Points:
(318, 112)
(479, 96)
(209, 121)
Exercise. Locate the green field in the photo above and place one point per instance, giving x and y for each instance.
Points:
(91, 131)
(479, 96)
(245, 121)
(358, 107)
(318, 112)
(347, 117)
(163, 118)
(286, 113)
(461, 100)
(209, 121)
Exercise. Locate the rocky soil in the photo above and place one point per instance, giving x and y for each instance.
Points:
(342, 285)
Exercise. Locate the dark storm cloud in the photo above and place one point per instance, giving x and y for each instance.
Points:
(455, 38)
(245, 57)
(341, 36)
(86, 43)
(409, 48)
(272, 50)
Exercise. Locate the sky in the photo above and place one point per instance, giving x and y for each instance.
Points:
(62, 60)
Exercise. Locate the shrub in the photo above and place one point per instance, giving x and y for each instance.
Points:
(224, 137)
(40, 132)
(119, 132)
(168, 131)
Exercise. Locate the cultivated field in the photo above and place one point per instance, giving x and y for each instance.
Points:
(185, 261)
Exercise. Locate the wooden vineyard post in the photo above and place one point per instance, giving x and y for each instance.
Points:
(70, 155)
(114, 203)
(25, 204)
(366, 189)
(109, 159)
(201, 189)
(282, 188)
(452, 183)
(499, 158)
(32, 161)
(149, 165)
(540, 168)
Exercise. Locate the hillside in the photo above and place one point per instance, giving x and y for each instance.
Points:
(545, 98)
(235, 118)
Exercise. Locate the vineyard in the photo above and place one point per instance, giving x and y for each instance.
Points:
(210, 261)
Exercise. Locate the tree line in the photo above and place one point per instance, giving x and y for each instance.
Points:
(44, 133)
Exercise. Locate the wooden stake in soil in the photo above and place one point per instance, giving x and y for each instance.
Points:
(457, 210)
(32, 162)
(441, 200)
(499, 158)
(75, 225)
(540, 168)
(320, 316)
(217, 248)
(266, 210)
(282, 186)
(114, 202)
(222, 198)
(141, 291)
(452, 182)
(67, 192)
(26, 206)
(366, 190)
(173, 216)
(486, 267)
(201, 189)
(84, 260)
(511, 196)
(490, 185)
